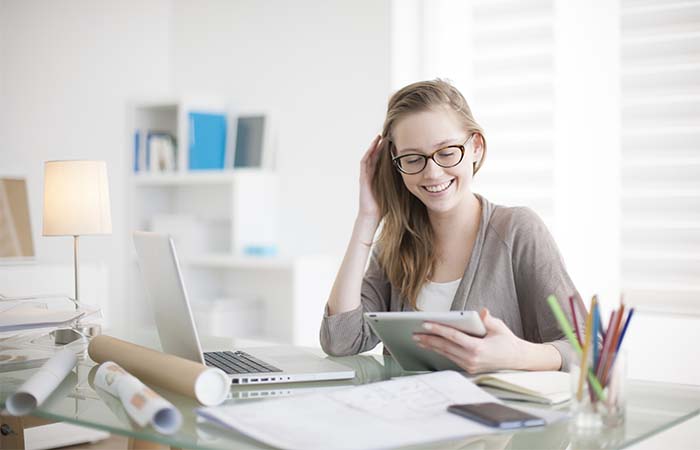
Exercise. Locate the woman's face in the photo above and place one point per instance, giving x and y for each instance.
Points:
(440, 189)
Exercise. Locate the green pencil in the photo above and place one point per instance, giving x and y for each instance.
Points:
(566, 328)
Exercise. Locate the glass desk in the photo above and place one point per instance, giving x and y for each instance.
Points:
(652, 408)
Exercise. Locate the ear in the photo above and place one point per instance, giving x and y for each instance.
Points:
(477, 147)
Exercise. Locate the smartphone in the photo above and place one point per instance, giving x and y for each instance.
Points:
(496, 415)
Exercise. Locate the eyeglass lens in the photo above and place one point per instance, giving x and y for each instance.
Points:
(447, 157)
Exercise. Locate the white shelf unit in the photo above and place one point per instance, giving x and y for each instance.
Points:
(217, 218)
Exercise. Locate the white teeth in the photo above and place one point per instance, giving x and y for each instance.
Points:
(438, 187)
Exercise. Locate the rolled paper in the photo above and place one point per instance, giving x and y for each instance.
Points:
(113, 403)
(40, 385)
(140, 402)
(208, 385)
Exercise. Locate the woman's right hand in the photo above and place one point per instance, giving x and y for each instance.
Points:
(369, 208)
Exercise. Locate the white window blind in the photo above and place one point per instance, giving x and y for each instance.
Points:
(500, 55)
(592, 115)
(512, 97)
(660, 220)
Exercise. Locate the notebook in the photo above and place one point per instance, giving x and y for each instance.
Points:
(546, 387)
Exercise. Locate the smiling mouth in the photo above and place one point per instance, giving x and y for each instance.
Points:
(437, 188)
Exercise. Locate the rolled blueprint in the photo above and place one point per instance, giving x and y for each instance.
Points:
(140, 402)
(207, 385)
(40, 385)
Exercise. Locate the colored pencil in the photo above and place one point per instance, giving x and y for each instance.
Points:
(613, 343)
(596, 326)
(619, 344)
(588, 339)
(624, 329)
(606, 343)
(573, 317)
(566, 328)
(601, 325)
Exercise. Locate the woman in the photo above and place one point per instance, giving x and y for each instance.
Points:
(442, 247)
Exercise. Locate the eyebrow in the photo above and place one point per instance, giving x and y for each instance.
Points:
(439, 145)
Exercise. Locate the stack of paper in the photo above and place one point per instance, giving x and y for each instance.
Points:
(27, 316)
(548, 388)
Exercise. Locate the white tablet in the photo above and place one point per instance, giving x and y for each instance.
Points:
(396, 329)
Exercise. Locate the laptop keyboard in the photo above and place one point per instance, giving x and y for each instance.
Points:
(238, 362)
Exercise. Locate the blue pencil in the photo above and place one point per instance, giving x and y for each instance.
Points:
(601, 325)
(624, 329)
(596, 325)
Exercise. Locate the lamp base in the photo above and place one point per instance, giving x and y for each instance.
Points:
(64, 336)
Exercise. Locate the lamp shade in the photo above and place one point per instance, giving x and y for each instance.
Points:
(76, 198)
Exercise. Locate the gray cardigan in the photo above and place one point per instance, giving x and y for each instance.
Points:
(514, 266)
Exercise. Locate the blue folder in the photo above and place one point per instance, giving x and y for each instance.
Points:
(207, 135)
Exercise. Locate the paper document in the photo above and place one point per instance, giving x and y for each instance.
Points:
(402, 411)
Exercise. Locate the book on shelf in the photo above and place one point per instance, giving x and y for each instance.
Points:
(162, 151)
(155, 152)
(250, 132)
(546, 387)
(207, 140)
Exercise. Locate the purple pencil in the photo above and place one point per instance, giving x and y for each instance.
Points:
(573, 316)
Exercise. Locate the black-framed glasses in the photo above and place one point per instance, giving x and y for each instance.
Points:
(413, 163)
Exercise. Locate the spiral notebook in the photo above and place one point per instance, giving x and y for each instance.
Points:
(545, 387)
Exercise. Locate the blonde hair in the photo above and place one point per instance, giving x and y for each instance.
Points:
(405, 243)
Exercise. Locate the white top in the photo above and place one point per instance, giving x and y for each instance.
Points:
(437, 297)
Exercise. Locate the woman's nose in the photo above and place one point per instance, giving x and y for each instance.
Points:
(432, 169)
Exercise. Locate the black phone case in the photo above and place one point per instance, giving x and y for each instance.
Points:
(520, 420)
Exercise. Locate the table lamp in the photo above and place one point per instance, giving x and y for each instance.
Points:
(76, 203)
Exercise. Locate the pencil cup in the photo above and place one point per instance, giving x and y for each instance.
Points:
(589, 412)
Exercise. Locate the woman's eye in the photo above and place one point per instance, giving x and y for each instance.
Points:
(446, 153)
(413, 159)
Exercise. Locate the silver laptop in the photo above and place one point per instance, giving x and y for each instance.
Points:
(178, 334)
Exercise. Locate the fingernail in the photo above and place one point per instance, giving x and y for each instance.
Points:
(427, 326)
(416, 338)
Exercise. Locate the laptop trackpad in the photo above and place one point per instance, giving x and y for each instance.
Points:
(292, 359)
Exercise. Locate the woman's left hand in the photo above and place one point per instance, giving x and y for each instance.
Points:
(499, 349)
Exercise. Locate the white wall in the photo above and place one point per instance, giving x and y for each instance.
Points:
(2, 76)
(67, 70)
(322, 68)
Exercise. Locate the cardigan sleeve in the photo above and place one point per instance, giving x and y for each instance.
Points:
(539, 272)
(348, 333)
